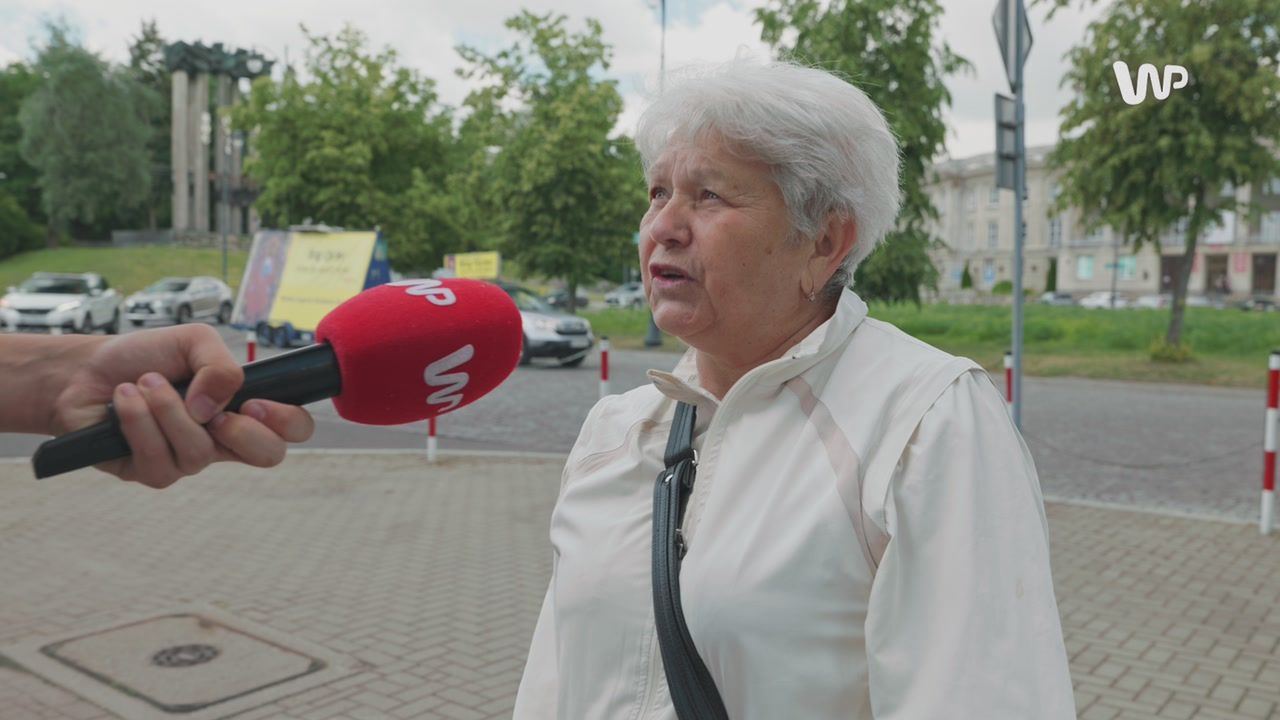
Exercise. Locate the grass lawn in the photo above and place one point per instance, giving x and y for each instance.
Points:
(127, 269)
(1229, 347)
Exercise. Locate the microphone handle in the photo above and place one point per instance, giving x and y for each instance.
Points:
(297, 377)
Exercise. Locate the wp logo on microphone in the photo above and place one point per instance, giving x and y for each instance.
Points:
(1147, 74)
(451, 384)
(433, 290)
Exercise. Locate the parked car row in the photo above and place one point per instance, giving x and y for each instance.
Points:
(626, 295)
(86, 302)
(1104, 299)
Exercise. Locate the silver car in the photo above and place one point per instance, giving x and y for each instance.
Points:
(627, 295)
(58, 302)
(180, 300)
(549, 332)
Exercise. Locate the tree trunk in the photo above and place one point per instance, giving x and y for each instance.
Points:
(571, 302)
(1173, 337)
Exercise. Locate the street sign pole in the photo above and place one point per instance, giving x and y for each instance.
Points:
(1019, 230)
(1013, 34)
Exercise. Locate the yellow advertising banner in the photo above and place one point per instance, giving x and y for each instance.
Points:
(321, 271)
(477, 265)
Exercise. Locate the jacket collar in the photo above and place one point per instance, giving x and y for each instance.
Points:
(682, 382)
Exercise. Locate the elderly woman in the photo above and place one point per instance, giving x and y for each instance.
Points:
(865, 537)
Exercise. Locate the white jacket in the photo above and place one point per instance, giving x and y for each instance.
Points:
(866, 539)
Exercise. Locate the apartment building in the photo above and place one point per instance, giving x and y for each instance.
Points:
(1236, 259)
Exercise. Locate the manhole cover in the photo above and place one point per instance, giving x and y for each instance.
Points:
(184, 656)
(194, 663)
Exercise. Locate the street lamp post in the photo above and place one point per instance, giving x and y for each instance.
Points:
(654, 338)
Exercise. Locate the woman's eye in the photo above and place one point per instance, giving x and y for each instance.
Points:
(657, 193)
(708, 195)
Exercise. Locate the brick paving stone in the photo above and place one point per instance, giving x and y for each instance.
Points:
(433, 577)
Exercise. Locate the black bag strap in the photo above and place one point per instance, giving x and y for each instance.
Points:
(693, 691)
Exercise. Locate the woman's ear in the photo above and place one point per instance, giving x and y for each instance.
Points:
(836, 241)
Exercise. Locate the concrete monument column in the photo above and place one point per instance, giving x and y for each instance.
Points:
(222, 154)
(179, 137)
(198, 119)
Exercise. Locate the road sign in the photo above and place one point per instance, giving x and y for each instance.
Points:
(1006, 141)
(1009, 15)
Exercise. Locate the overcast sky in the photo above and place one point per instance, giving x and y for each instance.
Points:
(424, 33)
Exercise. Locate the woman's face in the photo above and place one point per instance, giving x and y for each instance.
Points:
(717, 267)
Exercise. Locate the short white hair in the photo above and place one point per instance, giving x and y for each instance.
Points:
(827, 145)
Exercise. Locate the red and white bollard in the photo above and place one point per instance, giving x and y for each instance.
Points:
(1269, 444)
(1008, 378)
(251, 345)
(604, 366)
(431, 440)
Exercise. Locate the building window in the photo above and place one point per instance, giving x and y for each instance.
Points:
(1055, 232)
(1095, 237)
(970, 237)
(1054, 191)
(1272, 187)
(993, 196)
(1084, 267)
(970, 199)
(988, 272)
(993, 235)
(1270, 228)
(1127, 267)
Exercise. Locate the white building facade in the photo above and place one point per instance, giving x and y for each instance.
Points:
(1236, 259)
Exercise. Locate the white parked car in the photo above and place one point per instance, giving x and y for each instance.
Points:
(1102, 299)
(180, 300)
(627, 295)
(1154, 302)
(71, 302)
(549, 333)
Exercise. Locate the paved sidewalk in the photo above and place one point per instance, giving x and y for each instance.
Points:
(430, 580)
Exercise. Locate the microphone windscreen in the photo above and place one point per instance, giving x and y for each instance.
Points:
(413, 349)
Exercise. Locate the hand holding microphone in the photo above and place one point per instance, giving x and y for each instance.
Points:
(396, 353)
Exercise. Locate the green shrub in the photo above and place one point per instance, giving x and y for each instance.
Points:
(966, 280)
(1162, 351)
(1004, 287)
(17, 232)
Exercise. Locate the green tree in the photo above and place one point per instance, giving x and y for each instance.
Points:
(146, 65)
(966, 279)
(356, 140)
(1143, 168)
(84, 131)
(569, 194)
(18, 178)
(890, 49)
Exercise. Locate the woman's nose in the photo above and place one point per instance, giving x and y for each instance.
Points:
(671, 225)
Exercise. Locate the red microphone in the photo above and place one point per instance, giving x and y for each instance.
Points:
(397, 353)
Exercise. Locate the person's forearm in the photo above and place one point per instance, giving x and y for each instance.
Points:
(33, 371)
